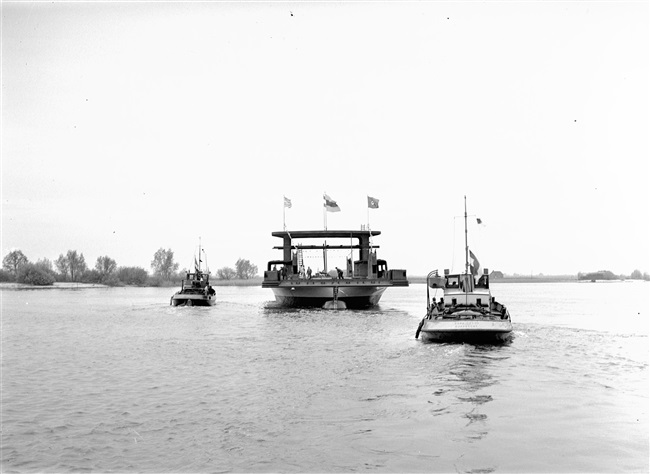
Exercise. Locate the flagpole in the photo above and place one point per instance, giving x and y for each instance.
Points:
(324, 212)
(284, 212)
(466, 246)
(207, 268)
(325, 242)
(368, 216)
(370, 272)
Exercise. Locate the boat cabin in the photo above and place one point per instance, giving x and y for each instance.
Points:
(196, 281)
(464, 289)
(466, 282)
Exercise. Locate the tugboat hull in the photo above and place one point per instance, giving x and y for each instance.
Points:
(192, 300)
(474, 331)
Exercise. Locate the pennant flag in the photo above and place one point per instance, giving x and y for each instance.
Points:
(287, 202)
(373, 203)
(474, 264)
(330, 204)
(479, 221)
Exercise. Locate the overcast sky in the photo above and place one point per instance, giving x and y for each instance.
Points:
(127, 127)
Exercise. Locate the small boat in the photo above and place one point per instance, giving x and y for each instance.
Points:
(467, 312)
(360, 285)
(195, 288)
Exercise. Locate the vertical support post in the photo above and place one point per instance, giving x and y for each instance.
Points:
(351, 255)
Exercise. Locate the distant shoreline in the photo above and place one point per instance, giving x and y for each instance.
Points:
(536, 279)
(56, 286)
(60, 285)
(521, 279)
(416, 280)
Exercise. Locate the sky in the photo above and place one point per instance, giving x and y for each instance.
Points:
(133, 126)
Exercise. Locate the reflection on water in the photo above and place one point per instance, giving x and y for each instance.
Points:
(467, 374)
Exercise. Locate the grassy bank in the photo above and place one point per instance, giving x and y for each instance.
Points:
(250, 282)
(166, 284)
(56, 285)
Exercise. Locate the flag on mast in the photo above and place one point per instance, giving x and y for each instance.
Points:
(330, 204)
(287, 202)
(474, 264)
(373, 203)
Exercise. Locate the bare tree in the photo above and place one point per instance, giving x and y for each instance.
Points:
(63, 266)
(13, 260)
(45, 264)
(245, 269)
(105, 266)
(76, 264)
(163, 263)
(226, 273)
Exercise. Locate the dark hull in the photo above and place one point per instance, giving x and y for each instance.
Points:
(477, 330)
(316, 295)
(471, 337)
(192, 300)
(360, 302)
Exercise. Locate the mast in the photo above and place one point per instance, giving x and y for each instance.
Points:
(466, 246)
(467, 277)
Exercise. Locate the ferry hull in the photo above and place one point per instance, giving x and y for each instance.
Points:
(362, 296)
(474, 331)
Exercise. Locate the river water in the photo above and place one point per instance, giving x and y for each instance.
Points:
(116, 380)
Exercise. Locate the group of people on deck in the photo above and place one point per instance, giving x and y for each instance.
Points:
(307, 274)
(304, 274)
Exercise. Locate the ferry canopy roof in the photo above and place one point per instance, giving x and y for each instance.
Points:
(311, 234)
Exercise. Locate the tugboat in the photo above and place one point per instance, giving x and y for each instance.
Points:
(467, 312)
(360, 285)
(195, 288)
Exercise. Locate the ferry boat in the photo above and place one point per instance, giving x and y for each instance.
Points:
(195, 288)
(360, 285)
(467, 312)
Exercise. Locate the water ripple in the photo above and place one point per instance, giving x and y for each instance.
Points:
(120, 381)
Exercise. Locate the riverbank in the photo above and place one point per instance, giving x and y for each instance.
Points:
(249, 282)
(57, 285)
(60, 285)
(414, 280)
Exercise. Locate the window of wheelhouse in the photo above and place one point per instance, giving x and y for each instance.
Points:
(452, 281)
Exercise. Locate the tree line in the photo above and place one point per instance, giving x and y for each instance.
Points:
(607, 275)
(72, 267)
